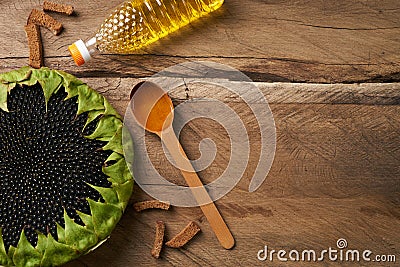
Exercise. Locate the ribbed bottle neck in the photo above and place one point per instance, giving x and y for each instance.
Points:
(91, 45)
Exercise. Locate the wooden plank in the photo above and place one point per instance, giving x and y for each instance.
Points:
(310, 41)
(335, 175)
(117, 90)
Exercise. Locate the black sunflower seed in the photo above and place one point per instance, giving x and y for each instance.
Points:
(45, 164)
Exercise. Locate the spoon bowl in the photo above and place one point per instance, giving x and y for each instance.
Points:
(152, 107)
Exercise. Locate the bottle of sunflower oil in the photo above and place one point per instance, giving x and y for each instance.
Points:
(137, 23)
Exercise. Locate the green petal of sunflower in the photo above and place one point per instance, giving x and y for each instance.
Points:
(25, 254)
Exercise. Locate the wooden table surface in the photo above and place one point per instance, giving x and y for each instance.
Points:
(335, 97)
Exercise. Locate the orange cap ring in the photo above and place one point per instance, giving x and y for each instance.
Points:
(76, 54)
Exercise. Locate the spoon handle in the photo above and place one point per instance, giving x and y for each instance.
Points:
(211, 212)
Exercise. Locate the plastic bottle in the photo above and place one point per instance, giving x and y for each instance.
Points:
(137, 23)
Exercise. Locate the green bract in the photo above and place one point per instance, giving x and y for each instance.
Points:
(74, 240)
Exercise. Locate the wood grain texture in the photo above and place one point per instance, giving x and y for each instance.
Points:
(275, 40)
(335, 175)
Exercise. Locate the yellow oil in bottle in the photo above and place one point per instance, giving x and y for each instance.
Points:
(138, 23)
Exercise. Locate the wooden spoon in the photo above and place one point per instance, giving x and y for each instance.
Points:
(154, 111)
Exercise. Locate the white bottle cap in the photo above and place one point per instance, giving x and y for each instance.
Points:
(79, 52)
